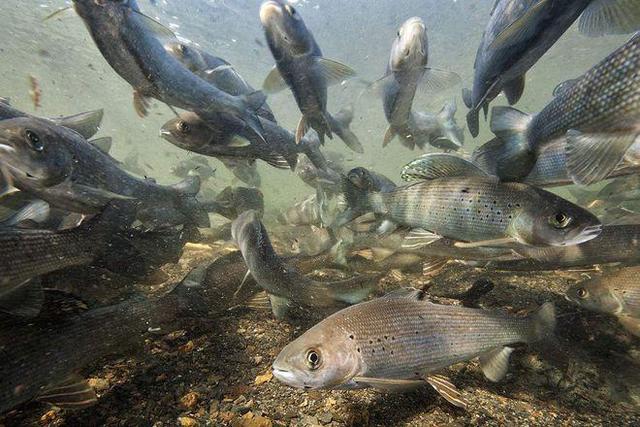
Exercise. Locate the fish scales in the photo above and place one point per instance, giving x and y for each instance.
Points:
(413, 338)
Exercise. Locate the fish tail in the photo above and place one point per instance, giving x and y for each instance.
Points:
(340, 125)
(447, 118)
(350, 291)
(473, 122)
(253, 102)
(543, 323)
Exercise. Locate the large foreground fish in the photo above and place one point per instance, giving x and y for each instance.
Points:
(132, 44)
(455, 199)
(598, 114)
(400, 341)
(520, 32)
(301, 66)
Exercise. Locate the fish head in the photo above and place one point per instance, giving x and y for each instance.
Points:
(187, 55)
(322, 358)
(33, 151)
(410, 47)
(188, 131)
(361, 178)
(101, 9)
(247, 227)
(596, 295)
(284, 29)
(549, 220)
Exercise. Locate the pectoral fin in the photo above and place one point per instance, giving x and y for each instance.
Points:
(102, 144)
(75, 393)
(274, 82)
(495, 363)
(486, 243)
(260, 301)
(436, 80)
(388, 384)
(514, 89)
(301, 129)
(141, 104)
(447, 390)
(388, 136)
(335, 72)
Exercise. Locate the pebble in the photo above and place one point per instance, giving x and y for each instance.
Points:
(240, 400)
(325, 417)
(99, 384)
(189, 400)
(187, 422)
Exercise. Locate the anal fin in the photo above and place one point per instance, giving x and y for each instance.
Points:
(446, 389)
(75, 393)
(280, 306)
(495, 363)
(418, 238)
(388, 384)
(514, 89)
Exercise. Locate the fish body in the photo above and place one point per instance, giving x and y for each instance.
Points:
(281, 281)
(60, 167)
(328, 179)
(194, 166)
(400, 337)
(305, 212)
(598, 116)
(301, 66)
(128, 41)
(233, 201)
(615, 292)
(438, 130)
(244, 170)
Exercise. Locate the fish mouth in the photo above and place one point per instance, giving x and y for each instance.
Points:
(284, 376)
(269, 11)
(585, 235)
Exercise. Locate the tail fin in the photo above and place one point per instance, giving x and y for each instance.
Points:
(543, 323)
(473, 122)
(447, 119)
(340, 126)
(254, 102)
(86, 124)
(350, 291)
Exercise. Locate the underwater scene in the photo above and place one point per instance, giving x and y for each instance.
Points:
(259, 213)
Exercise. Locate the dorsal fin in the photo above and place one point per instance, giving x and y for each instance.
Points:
(440, 165)
(411, 294)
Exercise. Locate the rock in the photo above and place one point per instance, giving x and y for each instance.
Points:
(187, 422)
(309, 420)
(264, 378)
(251, 420)
(98, 384)
(240, 400)
(189, 400)
(49, 417)
(325, 417)
(257, 360)
(187, 348)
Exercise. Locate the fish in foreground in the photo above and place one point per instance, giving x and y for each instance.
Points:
(400, 341)
(407, 71)
(60, 167)
(301, 66)
(598, 114)
(520, 32)
(132, 44)
(455, 199)
(615, 292)
(86, 124)
(28, 253)
(284, 284)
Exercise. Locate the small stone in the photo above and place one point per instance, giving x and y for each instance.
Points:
(257, 360)
(161, 377)
(187, 422)
(214, 406)
(187, 348)
(264, 378)
(49, 417)
(189, 400)
(325, 417)
(240, 400)
(251, 420)
(309, 420)
(98, 384)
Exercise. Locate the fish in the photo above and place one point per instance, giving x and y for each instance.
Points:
(327, 179)
(57, 165)
(245, 170)
(301, 67)
(131, 43)
(285, 285)
(233, 201)
(408, 70)
(190, 132)
(36, 211)
(86, 124)
(520, 32)
(455, 199)
(614, 244)
(35, 92)
(615, 292)
(28, 253)
(216, 71)
(437, 130)
(400, 341)
(305, 212)
(131, 163)
(197, 165)
(597, 115)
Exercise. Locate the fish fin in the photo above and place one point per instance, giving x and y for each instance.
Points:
(436, 80)
(141, 104)
(102, 144)
(521, 28)
(60, 13)
(74, 393)
(238, 141)
(480, 288)
(255, 100)
(467, 97)
(279, 306)
(86, 124)
(387, 227)
(388, 384)
(630, 324)
(440, 165)
(189, 186)
(158, 29)
(433, 267)
(345, 134)
(274, 82)
(37, 211)
(473, 122)
(220, 68)
(301, 129)
(564, 86)
(388, 136)
(495, 363)
(610, 17)
(514, 89)
(593, 156)
(418, 238)
(412, 294)
(82, 198)
(446, 389)
(260, 301)
(23, 301)
(276, 160)
(335, 72)
(242, 283)
(488, 243)
(543, 322)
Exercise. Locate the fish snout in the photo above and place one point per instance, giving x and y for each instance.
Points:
(270, 10)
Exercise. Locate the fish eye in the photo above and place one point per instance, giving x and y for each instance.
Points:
(183, 126)
(290, 9)
(560, 220)
(582, 293)
(34, 140)
(313, 359)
